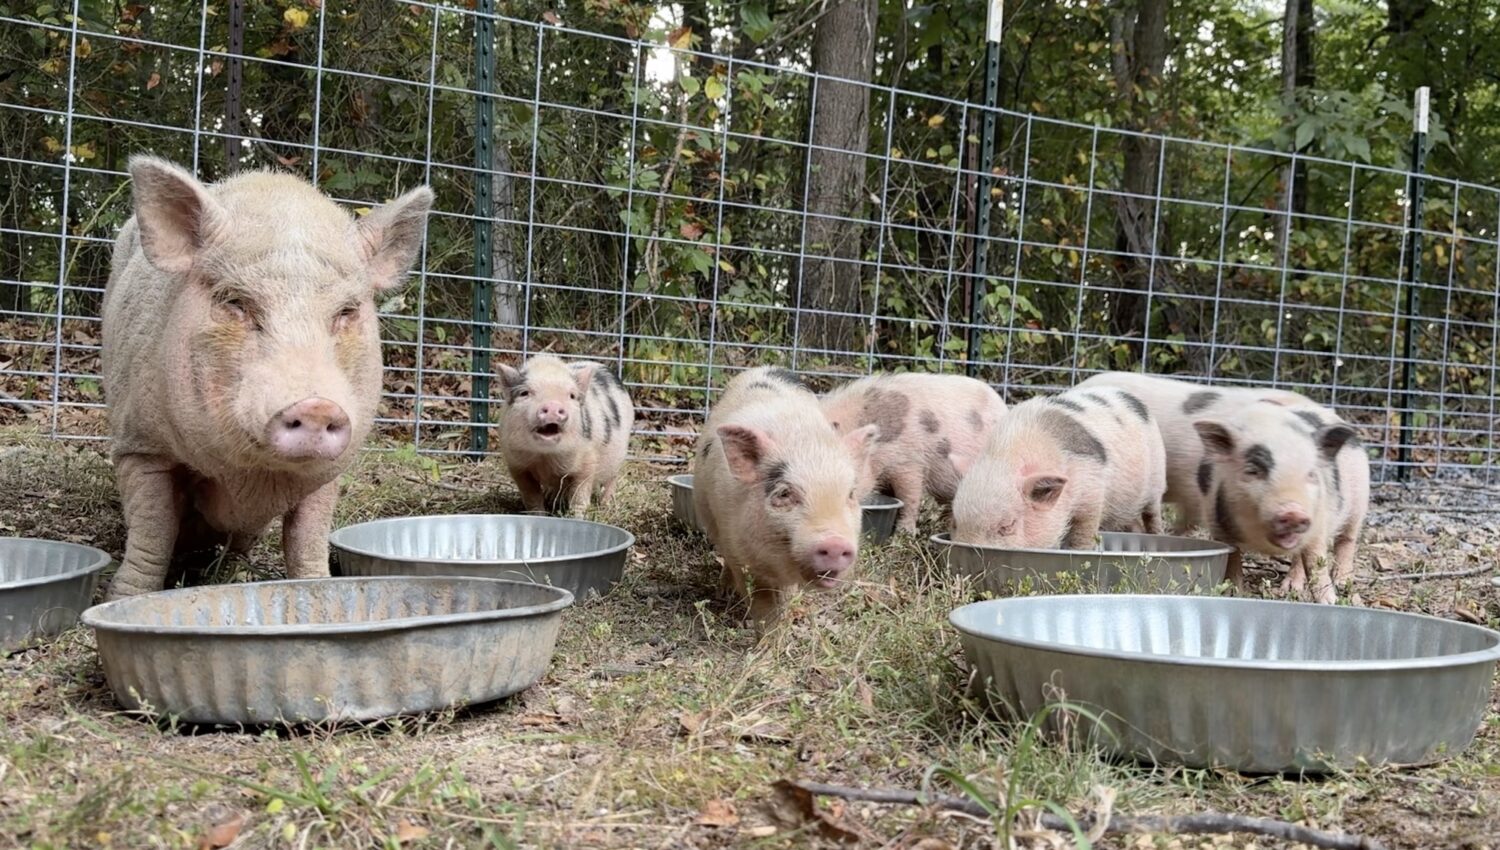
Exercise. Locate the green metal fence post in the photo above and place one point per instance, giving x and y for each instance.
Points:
(484, 210)
(982, 185)
(1414, 192)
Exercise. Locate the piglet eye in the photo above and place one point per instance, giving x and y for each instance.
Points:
(522, 393)
(573, 396)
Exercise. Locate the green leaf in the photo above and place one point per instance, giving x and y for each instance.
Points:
(1305, 133)
(689, 84)
(755, 22)
(713, 87)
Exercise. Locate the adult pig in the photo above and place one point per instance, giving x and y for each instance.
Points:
(242, 359)
(565, 431)
(1059, 469)
(929, 426)
(1175, 405)
(777, 489)
(1287, 482)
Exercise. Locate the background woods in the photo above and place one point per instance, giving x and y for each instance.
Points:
(655, 200)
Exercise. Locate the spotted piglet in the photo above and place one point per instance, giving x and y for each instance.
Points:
(1287, 482)
(1058, 470)
(777, 489)
(929, 425)
(1175, 405)
(564, 432)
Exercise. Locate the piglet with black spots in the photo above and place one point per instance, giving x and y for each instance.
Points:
(1058, 470)
(565, 432)
(1287, 482)
(929, 426)
(777, 489)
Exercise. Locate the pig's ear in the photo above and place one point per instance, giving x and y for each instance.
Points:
(1217, 440)
(174, 213)
(510, 376)
(1043, 490)
(390, 236)
(583, 373)
(1332, 438)
(859, 440)
(745, 449)
(961, 463)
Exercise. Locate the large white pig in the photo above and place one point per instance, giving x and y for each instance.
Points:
(242, 359)
(777, 489)
(930, 425)
(1059, 469)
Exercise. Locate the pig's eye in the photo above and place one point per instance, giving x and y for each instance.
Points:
(783, 497)
(573, 395)
(236, 310)
(346, 317)
(522, 392)
(1255, 471)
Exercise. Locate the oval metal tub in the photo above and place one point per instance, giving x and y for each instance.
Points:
(330, 649)
(682, 501)
(1257, 685)
(585, 558)
(44, 584)
(1152, 563)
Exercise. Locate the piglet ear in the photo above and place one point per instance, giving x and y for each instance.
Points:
(1043, 490)
(859, 441)
(745, 449)
(1217, 440)
(510, 377)
(390, 236)
(175, 214)
(1331, 439)
(961, 463)
(583, 373)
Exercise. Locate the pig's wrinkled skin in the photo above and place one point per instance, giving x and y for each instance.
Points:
(777, 489)
(1175, 405)
(930, 426)
(565, 432)
(1287, 482)
(242, 360)
(1058, 470)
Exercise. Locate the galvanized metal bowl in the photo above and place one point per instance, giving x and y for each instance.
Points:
(1152, 563)
(877, 521)
(583, 557)
(682, 501)
(314, 650)
(44, 584)
(1256, 685)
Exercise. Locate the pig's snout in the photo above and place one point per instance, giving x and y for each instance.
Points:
(312, 429)
(831, 558)
(1288, 526)
(551, 416)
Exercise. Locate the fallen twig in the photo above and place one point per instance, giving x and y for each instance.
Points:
(20, 404)
(1472, 571)
(1200, 823)
(441, 485)
(1445, 509)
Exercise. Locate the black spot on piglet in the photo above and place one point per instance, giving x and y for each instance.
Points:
(1199, 400)
(929, 421)
(1072, 437)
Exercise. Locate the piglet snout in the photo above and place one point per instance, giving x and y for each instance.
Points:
(831, 558)
(552, 411)
(1288, 525)
(311, 429)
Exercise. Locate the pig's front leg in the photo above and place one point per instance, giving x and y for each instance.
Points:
(581, 496)
(765, 607)
(304, 533)
(1234, 570)
(532, 497)
(1322, 582)
(1296, 576)
(1082, 532)
(607, 491)
(153, 503)
(1343, 556)
(908, 487)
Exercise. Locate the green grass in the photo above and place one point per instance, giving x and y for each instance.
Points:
(659, 702)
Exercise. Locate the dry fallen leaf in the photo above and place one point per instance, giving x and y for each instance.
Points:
(681, 38)
(718, 813)
(793, 805)
(546, 719)
(153, 81)
(552, 18)
(223, 833)
(691, 723)
(763, 831)
(408, 831)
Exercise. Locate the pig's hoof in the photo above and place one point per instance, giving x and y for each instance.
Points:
(1325, 595)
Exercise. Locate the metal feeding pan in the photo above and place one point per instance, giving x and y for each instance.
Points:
(581, 556)
(314, 650)
(1261, 686)
(877, 520)
(1152, 563)
(44, 584)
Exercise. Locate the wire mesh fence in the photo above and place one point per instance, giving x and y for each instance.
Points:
(682, 215)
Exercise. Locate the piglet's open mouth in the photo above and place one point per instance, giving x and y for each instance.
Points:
(827, 581)
(1286, 541)
(549, 431)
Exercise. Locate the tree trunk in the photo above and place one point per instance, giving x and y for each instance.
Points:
(1139, 32)
(843, 46)
(503, 263)
(1297, 74)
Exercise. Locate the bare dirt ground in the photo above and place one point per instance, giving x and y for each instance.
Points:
(663, 723)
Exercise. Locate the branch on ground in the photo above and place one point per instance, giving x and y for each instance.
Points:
(1199, 823)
